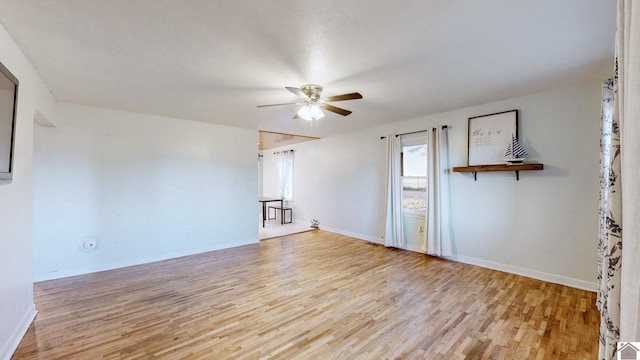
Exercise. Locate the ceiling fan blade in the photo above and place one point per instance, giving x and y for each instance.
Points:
(294, 103)
(350, 96)
(336, 110)
(297, 92)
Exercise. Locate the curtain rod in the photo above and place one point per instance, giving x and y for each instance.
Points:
(282, 151)
(414, 132)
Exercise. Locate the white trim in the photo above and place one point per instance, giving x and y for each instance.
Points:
(18, 333)
(534, 274)
(139, 261)
(373, 239)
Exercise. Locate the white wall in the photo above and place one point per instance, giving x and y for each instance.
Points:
(143, 187)
(16, 280)
(544, 225)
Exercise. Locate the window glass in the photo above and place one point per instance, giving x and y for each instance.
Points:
(414, 177)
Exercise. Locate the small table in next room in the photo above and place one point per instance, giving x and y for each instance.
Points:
(264, 202)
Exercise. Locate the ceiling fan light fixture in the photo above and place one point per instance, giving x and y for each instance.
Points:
(314, 104)
(311, 112)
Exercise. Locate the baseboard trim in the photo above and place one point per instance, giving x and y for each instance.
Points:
(534, 274)
(10, 347)
(353, 235)
(139, 261)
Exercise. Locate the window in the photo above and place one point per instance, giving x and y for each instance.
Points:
(414, 174)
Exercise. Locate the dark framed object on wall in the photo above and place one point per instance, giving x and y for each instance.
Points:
(8, 104)
(489, 136)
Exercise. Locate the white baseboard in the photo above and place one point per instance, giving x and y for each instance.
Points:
(353, 235)
(10, 347)
(138, 261)
(535, 274)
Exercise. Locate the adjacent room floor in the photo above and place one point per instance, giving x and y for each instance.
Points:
(273, 228)
(313, 295)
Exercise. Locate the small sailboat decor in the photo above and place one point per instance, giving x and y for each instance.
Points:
(515, 153)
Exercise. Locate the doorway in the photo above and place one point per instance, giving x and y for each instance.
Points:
(269, 144)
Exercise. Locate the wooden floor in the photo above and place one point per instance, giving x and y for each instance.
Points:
(313, 295)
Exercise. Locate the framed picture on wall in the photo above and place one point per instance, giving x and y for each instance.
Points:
(8, 99)
(489, 136)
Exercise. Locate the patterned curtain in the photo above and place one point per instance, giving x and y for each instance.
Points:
(627, 113)
(619, 271)
(610, 231)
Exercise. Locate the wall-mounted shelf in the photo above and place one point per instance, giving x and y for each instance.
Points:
(475, 169)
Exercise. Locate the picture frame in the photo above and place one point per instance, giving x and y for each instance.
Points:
(8, 104)
(489, 136)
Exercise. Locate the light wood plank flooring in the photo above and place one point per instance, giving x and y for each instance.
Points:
(314, 295)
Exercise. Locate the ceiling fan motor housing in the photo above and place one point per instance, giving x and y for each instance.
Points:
(313, 91)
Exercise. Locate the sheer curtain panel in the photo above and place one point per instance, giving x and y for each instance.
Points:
(285, 173)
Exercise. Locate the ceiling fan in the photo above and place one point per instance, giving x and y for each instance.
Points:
(312, 103)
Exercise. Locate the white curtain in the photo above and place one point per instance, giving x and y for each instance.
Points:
(620, 260)
(285, 173)
(437, 225)
(394, 236)
(627, 107)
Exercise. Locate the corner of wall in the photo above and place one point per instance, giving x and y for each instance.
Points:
(18, 333)
(16, 272)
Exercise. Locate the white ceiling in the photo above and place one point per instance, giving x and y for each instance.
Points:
(216, 60)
